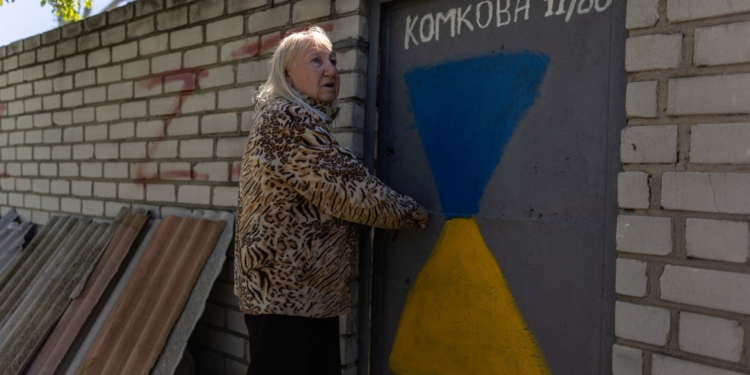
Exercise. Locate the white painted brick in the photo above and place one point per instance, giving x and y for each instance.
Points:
(160, 193)
(42, 153)
(73, 135)
(15, 108)
(150, 129)
(224, 29)
(729, 94)
(8, 153)
(106, 150)
(34, 73)
(352, 142)
(717, 240)
(133, 150)
(15, 199)
(42, 87)
(130, 191)
(175, 171)
(201, 56)
(220, 76)
(125, 52)
(98, 58)
(51, 203)
(649, 144)
(685, 10)
(122, 131)
(641, 323)
(631, 279)
(61, 152)
(708, 288)
(171, 19)
(115, 170)
(154, 44)
(23, 184)
(147, 87)
(8, 94)
(644, 235)
(91, 170)
(24, 153)
(161, 106)
(45, 54)
(640, 99)
(253, 71)
(109, 74)
(662, 365)
(197, 148)
(186, 37)
(349, 27)
(268, 19)
(723, 44)
(240, 49)
(52, 102)
(231, 147)
(219, 123)
(633, 190)
(706, 192)
(112, 209)
(24, 122)
(133, 110)
(119, 91)
(236, 98)
(720, 143)
(72, 64)
(194, 194)
(62, 83)
(140, 27)
(163, 149)
(32, 201)
(113, 35)
(136, 69)
(85, 78)
(710, 336)
(235, 321)
(40, 186)
(48, 169)
(40, 217)
(96, 133)
(81, 188)
(16, 138)
(206, 10)
(200, 103)
(352, 59)
(306, 10)
(183, 126)
(93, 208)
(166, 63)
(60, 187)
(88, 41)
(352, 86)
(25, 90)
(247, 121)
(30, 169)
(42, 120)
(346, 6)
(212, 171)
(95, 95)
(235, 6)
(15, 77)
(34, 136)
(225, 196)
(68, 170)
(8, 123)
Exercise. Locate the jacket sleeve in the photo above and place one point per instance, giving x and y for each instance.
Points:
(332, 179)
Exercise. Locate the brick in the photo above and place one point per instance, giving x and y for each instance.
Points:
(194, 194)
(206, 10)
(145, 7)
(346, 6)
(106, 150)
(163, 149)
(641, 323)
(51, 203)
(240, 49)
(662, 365)
(95, 95)
(16, 77)
(115, 170)
(212, 171)
(161, 106)
(348, 347)
(48, 169)
(130, 191)
(707, 288)
(166, 63)
(42, 153)
(8, 123)
(96, 132)
(133, 110)
(109, 74)
(710, 336)
(717, 240)
(24, 90)
(32, 42)
(40, 186)
(253, 71)
(112, 209)
(160, 193)
(15, 200)
(236, 321)
(349, 27)
(219, 123)
(72, 64)
(113, 35)
(52, 102)
(214, 315)
(91, 170)
(197, 148)
(30, 169)
(86, 78)
(121, 14)
(175, 171)
(720, 143)
(95, 22)
(141, 27)
(33, 104)
(99, 58)
(32, 201)
(268, 19)
(200, 103)
(87, 42)
(224, 293)
(225, 196)
(686, 10)
(65, 48)
(706, 192)
(723, 44)
(81, 188)
(200, 57)
(224, 29)
(154, 44)
(247, 122)
(220, 76)
(136, 69)
(147, 87)
(729, 94)
(23, 122)
(352, 142)
(632, 190)
(50, 36)
(24, 153)
(150, 129)
(73, 135)
(232, 345)
(125, 52)
(92, 208)
(231, 147)
(52, 136)
(644, 235)
(119, 91)
(234, 367)
(186, 37)
(15, 108)
(61, 152)
(306, 10)
(34, 73)
(62, 83)
(640, 99)
(83, 152)
(83, 115)
(133, 150)
(236, 98)
(60, 187)
(353, 59)
(23, 184)
(171, 19)
(235, 6)
(632, 279)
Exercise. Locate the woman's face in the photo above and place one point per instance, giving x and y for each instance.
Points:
(313, 72)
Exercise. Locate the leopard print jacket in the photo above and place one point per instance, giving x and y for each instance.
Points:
(301, 196)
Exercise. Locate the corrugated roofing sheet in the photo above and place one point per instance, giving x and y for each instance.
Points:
(36, 288)
(13, 237)
(136, 330)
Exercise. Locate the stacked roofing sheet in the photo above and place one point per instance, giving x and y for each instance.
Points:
(13, 237)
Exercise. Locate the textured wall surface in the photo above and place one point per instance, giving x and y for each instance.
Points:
(149, 105)
(682, 235)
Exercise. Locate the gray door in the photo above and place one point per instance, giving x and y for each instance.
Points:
(502, 118)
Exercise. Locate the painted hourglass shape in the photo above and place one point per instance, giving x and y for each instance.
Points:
(459, 316)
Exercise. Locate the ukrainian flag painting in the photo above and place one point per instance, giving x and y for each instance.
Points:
(459, 316)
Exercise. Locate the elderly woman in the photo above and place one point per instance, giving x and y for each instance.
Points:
(301, 196)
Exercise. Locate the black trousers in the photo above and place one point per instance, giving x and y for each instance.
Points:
(293, 345)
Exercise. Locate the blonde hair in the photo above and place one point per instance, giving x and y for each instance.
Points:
(276, 86)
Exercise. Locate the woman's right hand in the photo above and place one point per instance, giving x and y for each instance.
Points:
(420, 221)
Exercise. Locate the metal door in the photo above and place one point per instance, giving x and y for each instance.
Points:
(501, 117)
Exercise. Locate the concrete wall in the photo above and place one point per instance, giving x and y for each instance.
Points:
(150, 105)
(682, 235)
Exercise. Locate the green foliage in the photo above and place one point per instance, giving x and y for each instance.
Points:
(67, 9)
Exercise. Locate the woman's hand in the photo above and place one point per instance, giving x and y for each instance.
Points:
(420, 221)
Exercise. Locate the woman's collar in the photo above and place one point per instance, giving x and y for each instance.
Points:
(330, 109)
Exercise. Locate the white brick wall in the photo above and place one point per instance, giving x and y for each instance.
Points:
(717, 239)
(719, 290)
(642, 323)
(632, 190)
(644, 235)
(720, 143)
(712, 337)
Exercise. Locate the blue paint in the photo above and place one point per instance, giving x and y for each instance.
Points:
(466, 112)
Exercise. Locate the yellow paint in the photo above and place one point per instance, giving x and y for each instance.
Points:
(460, 317)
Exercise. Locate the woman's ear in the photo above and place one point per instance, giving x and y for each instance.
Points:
(288, 77)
